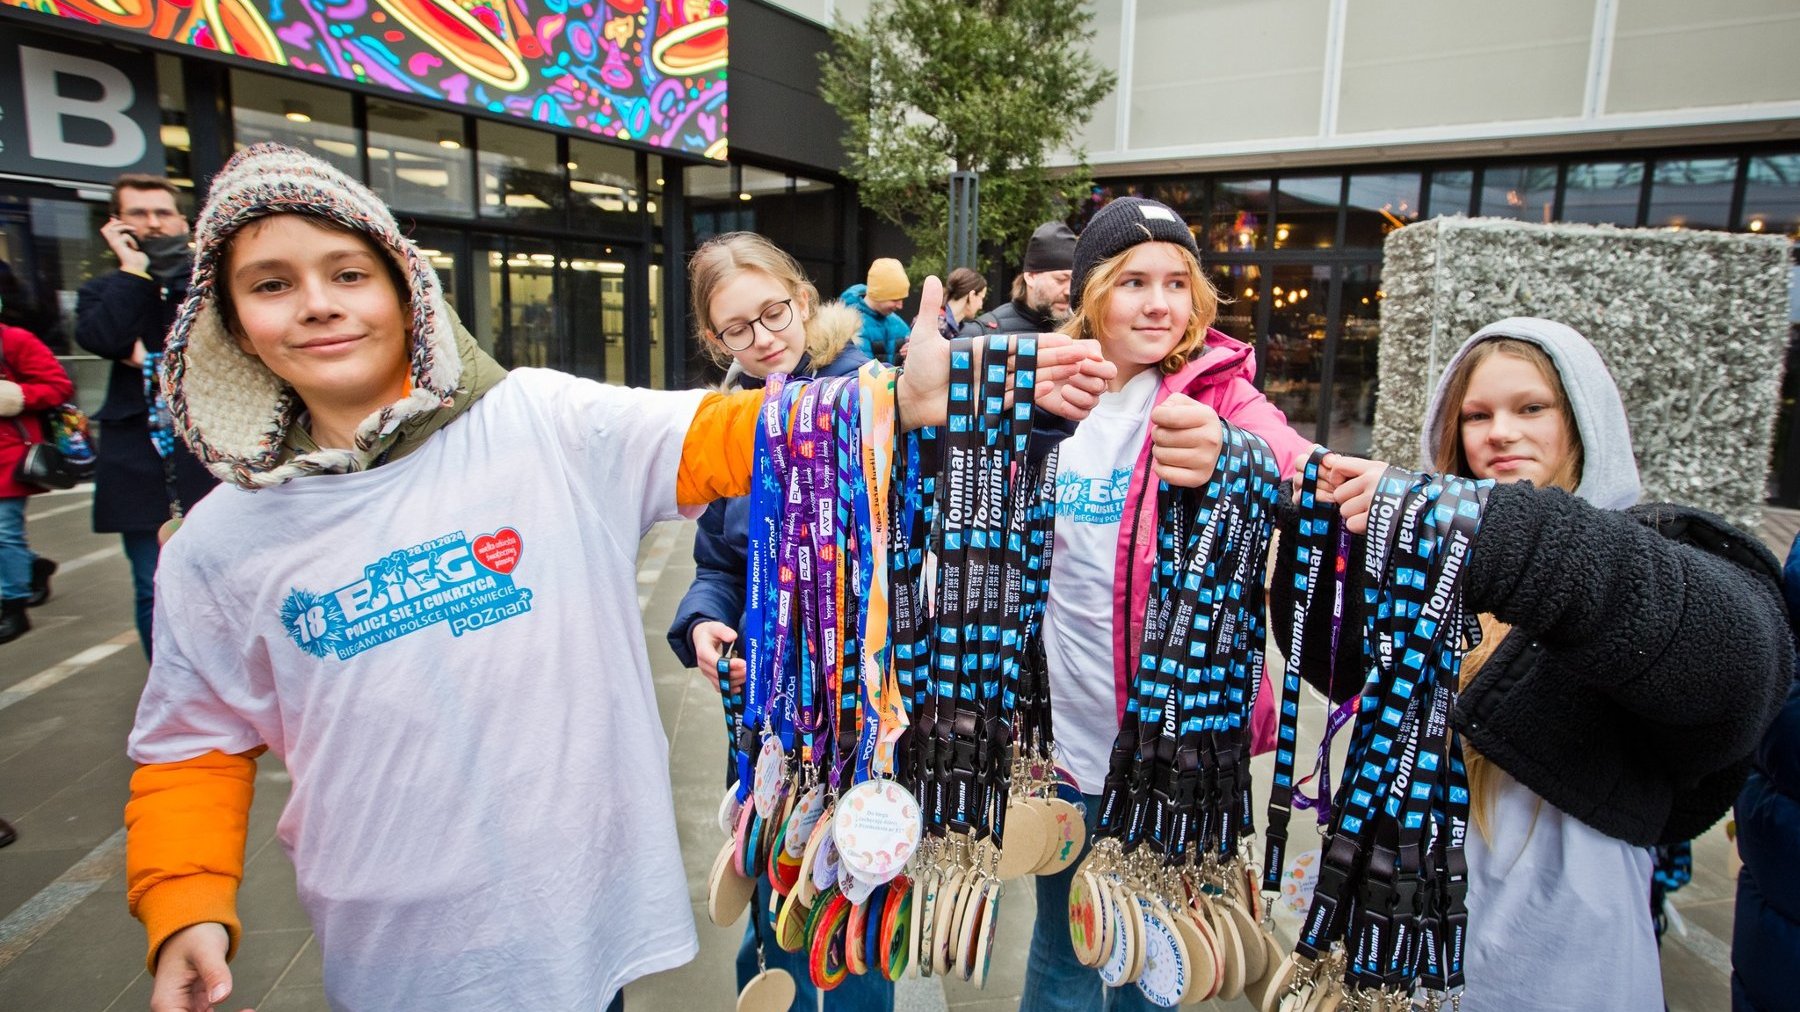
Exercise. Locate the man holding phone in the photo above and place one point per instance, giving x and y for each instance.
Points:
(145, 475)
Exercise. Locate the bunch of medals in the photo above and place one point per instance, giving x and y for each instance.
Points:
(1167, 899)
(1388, 918)
(891, 618)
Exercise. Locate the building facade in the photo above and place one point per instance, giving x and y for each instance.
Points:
(555, 161)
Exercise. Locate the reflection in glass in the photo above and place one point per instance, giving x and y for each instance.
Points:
(519, 175)
(1772, 195)
(1307, 211)
(443, 249)
(305, 116)
(484, 319)
(1294, 351)
(659, 377)
(1187, 197)
(602, 182)
(1603, 193)
(595, 282)
(1240, 214)
(1692, 193)
(1452, 192)
(1239, 288)
(1353, 383)
(531, 317)
(171, 94)
(1380, 203)
(1520, 192)
(419, 159)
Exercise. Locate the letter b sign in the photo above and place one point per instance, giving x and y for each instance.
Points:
(76, 111)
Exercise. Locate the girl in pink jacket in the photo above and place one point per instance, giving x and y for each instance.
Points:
(1138, 290)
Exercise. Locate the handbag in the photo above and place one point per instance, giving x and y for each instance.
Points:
(64, 457)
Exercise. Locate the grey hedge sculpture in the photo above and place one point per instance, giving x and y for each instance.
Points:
(1693, 325)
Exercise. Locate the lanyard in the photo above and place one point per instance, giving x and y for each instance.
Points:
(763, 655)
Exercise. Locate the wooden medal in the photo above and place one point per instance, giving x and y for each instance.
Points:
(896, 929)
(1256, 955)
(805, 889)
(1065, 835)
(1203, 955)
(1167, 974)
(1281, 984)
(984, 936)
(1257, 990)
(1133, 904)
(807, 810)
(740, 838)
(918, 947)
(1231, 956)
(968, 927)
(1085, 913)
(769, 991)
(943, 929)
(827, 963)
(1118, 959)
(790, 925)
(727, 892)
(1025, 840)
(1325, 998)
(771, 777)
(855, 950)
(729, 806)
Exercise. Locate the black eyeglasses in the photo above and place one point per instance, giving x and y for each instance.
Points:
(775, 319)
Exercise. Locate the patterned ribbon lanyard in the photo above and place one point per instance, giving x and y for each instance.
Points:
(764, 653)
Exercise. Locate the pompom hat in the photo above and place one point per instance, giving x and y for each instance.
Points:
(231, 409)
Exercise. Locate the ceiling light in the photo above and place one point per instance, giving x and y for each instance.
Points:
(297, 112)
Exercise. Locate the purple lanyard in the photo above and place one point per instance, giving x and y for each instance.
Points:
(1320, 803)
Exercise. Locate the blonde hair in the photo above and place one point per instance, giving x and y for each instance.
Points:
(1088, 322)
(1452, 459)
(722, 258)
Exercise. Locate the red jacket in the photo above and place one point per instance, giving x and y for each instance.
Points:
(24, 360)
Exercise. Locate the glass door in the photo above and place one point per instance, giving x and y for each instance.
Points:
(1293, 348)
(595, 282)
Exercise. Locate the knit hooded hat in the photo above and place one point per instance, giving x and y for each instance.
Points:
(231, 409)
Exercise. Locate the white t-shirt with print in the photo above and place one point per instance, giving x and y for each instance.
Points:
(1093, 478)
(447, 654)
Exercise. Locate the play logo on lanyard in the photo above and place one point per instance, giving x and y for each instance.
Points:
(448, 579)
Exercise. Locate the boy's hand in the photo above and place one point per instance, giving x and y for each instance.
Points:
(1185, 438)
(191, 975)
(1071, 375)
(710, 640)
(1350, 482)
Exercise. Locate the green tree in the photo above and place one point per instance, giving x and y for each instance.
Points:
(989, 86)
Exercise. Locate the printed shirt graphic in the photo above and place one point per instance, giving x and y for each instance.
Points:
(1092, 481)
(446, 652)
(448, 579)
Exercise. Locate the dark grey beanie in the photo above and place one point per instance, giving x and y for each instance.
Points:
(1052, 248)
(1117, 227)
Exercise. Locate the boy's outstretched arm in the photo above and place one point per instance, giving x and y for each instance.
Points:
(185, 827)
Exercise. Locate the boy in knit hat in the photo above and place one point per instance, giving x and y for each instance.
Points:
(883, 334)
(417, 588)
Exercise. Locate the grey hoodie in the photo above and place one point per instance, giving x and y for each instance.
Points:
(1609, 474)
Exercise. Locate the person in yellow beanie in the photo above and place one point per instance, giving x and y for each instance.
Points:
(883, 333)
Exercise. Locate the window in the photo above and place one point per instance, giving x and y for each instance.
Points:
(1692, 193)
(305, 116)
(419, 159)
(1772, 195)
(1521, 192)
(520, 177)
(1240, 213)
(1380, 202)
(1603, 192)
(1452, 192)
(603, 184)
(1307, 211)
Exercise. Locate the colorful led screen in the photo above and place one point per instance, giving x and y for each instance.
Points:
(651, 71)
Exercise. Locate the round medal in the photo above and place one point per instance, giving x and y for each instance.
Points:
(1134, 923)
(1202, 956)
(877, 828)
(897, 933)
(1066, 834)
(851, 885)
(1167, 973)
(740, 838)
(827, 957)
(855, 947)
(1231, 955)
(1256, 956)
(753, 848)
(943, 937)
(790, 925)
(873, 944)
(1281, 983)
(804, 887)
(809, 808)
(1024, 847)
(1118, 958)
(825, 868)
(984, 935)
(768, 991)
(729, 806)
(918, 944)
(967, 925)
(1085, 933)
(771, 777)
(727, 892)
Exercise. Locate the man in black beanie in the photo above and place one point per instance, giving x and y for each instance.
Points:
(1040, 295)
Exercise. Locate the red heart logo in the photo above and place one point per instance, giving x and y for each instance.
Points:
(500, 550)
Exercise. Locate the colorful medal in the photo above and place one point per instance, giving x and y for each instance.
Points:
(878, 826)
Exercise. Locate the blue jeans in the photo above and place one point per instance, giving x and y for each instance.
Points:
(869, 992)
(15, 554)
(1055, 981)
(142, 548)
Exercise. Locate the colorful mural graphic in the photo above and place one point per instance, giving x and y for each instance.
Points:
(652, 71)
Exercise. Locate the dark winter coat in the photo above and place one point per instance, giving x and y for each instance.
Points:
(44, 384)
(1013, 317)
(1765, 937)
(722, 537)
(1640, 672)
(112, 313)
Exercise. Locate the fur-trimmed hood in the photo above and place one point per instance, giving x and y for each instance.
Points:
(233, 411)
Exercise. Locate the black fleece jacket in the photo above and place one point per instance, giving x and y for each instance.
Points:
(1641, 670)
